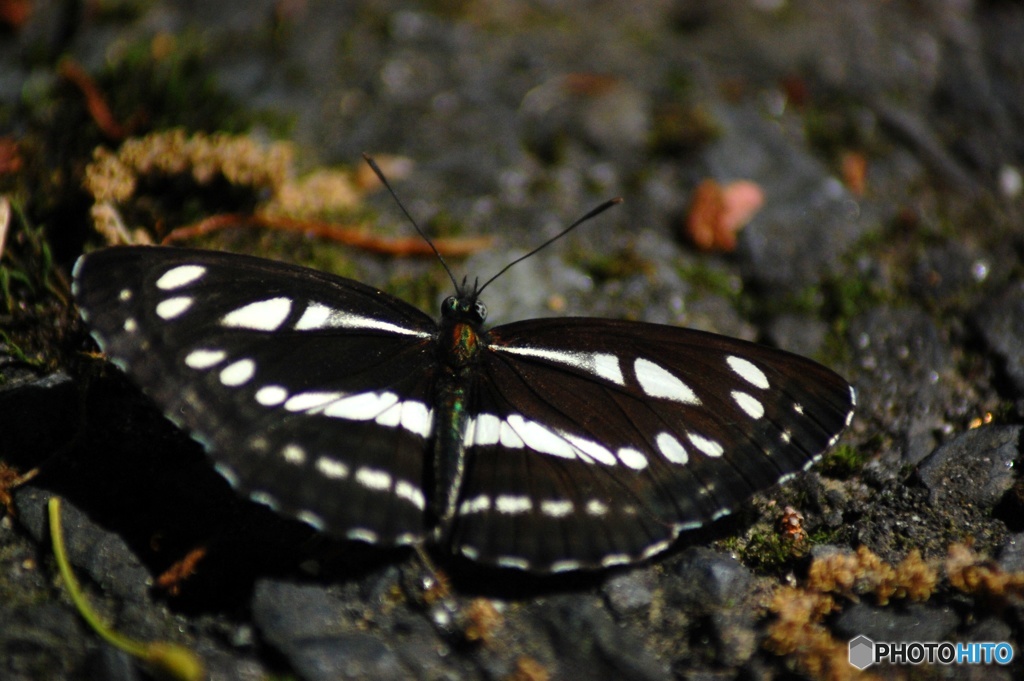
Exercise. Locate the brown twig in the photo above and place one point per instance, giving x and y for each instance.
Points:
(95, 101)
(352, 236)
(173, 576)
(11, 479)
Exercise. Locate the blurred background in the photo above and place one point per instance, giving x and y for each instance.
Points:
(843, 180)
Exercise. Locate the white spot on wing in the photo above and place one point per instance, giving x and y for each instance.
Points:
(265, 498)
(607, 366)
(204, 358)
(271, 395)
(173, 307)
(311, 519)
(540, 438)
(599, 364)
(508, 437)
(313, 317)
(294, 454)
(411, 415)
(513, 562)
(556, 508)
(614, 559)
(709, 447)
(596, 507)
(180, 276)
(672, 448)
(483, 430)
(125, 295)
(361, 406)
(237, 373)
(588, 450)
(391, 416)
(332, 468)
(746, 370)
(655, 548)
(130, 325)
(406, 490)
(512, 505)
(417, 418)
(318, 316)
(362, 534)
(748, 403)
(265, 315)
(310, 401)
(633, 458)
(372, 478)
(475, 505)
(657, 381)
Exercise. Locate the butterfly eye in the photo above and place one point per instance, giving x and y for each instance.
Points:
(450, 307)
(479, 311)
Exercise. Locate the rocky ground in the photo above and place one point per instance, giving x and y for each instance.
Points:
(885, 139)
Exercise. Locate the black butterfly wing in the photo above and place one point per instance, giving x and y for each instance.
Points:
(596, 442)
(311, 392)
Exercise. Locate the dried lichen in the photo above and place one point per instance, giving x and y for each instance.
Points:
(112, 179)
(797, 631)
(798, 628)
(864, 572)
(972, 574)
(319, 193)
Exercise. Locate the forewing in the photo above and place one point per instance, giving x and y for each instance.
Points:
(311, 392)
(596, 442)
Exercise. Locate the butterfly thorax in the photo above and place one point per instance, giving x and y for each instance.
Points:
(461, 342)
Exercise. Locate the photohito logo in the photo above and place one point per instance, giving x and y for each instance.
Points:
(864, 652)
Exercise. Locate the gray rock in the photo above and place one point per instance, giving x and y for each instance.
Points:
(915, 623)
(709, 580)
(895, 348)
(630, 591)
(306, 625)
(1000, 322)
(976, 467)
(590, 645)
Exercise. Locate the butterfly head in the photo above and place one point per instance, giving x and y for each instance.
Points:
(465, 305)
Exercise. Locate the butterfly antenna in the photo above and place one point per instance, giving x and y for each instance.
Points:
(387, 185)
(593, 213)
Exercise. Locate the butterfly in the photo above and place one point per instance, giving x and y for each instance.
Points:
(547, 445)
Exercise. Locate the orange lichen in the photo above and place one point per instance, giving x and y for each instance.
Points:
(529, 669)
(11, 479)
(484, 620)
(791, 524)
(718, 212)
(10, 156)
(854, 167)
(173, 576)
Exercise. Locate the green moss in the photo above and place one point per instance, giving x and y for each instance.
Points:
(619, 264)
(705, 278)
(843, 461)
(767, 550)
(33, 296)
(175, 89)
